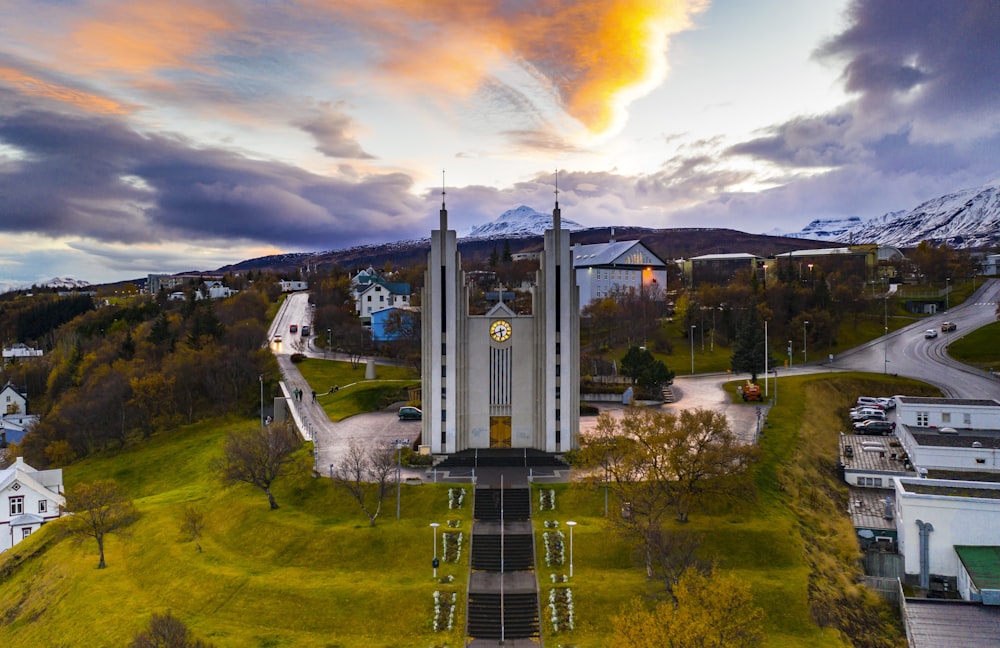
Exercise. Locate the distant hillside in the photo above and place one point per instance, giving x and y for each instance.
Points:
(665, 243)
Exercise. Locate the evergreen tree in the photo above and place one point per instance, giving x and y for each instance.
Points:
(507, 257)
(748, 348)
(494, 257)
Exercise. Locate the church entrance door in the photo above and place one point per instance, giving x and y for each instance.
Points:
(499, 431)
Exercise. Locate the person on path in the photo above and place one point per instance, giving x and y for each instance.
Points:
(314, 395)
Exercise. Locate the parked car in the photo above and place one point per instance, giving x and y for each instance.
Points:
(294, 328)
(930, 333)
(305, 330)
(888, 402)
(870, 401)
(867, 413)
(872, 426)
(948, 326)
(408, 413)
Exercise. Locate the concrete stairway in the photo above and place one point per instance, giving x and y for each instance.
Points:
(503, 590)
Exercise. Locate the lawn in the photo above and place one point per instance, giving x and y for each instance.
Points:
(313, 573)
(354, 394)
(980, 348)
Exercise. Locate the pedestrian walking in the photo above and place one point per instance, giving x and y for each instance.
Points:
(314, 395)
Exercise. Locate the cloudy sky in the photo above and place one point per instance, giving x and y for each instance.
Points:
(169, 135)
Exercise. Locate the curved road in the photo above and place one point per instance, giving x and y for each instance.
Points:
(906, 352)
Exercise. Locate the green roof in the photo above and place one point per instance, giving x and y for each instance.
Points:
(983, 565)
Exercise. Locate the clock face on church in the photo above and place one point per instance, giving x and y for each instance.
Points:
(500, 330)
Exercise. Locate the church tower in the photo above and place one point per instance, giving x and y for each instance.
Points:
(503, 379)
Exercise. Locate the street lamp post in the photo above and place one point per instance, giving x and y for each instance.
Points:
(947, 293)
(399, 443)
(805, 355)
(692, 349)
(571, 524)
(262, 401)
(329, 340)
(434, 561)
(789, 354)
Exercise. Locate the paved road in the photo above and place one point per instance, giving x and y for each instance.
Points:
(906, 352)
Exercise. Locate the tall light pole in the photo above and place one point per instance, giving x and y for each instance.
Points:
(399, 443)
(571, 524)
(765, 359)
(329, 340)
(692, 349)
(805, 356)
(262, 401)
(789, 354)
(947, 293)
(434, 561)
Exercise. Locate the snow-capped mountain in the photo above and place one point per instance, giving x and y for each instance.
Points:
(823, 229)
(67, 283)
(968, 218)
(964, 219)
(523, 221)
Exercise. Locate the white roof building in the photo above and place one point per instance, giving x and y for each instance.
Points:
(28, 499)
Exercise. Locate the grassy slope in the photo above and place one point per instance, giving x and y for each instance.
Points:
(356, 395)
(980, 348)
(314, 574)
(310, 574)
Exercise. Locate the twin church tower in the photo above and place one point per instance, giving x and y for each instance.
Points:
(502, 379)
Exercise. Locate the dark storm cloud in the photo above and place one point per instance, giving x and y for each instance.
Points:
(925, 58)
(331, 129)
(805, 142)
(93, 176)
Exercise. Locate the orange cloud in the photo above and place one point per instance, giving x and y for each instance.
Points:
(594, 56)
(140, 37)
(36, 87)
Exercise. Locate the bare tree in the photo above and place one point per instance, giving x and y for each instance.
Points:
(166, 631)
(259, 457)
(364, 472)
(193, 523)
(98, 508)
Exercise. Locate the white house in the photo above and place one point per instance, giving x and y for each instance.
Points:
(604, 269)
(20, 351)
(12, 401)
(935, 515)
(218, 291)
(293, 286)
(28, 499)
(378, 295)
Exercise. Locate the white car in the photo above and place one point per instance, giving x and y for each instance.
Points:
(930, 334)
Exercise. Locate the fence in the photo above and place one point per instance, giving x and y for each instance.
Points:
(880, 564)
(888, 588)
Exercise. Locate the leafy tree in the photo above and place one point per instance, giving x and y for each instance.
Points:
(645, 370)
(711, 611)
(658, 462)
(166, 631)
(259, 457)
(364, 472)
(99, 508)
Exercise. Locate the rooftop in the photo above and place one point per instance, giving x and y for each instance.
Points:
(983, 565)
(928, 400)
(933, 624)
(954, 438)
(950, 489)
(866, 507)
(870, 453)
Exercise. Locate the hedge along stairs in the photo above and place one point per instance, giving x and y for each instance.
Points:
(503, 588)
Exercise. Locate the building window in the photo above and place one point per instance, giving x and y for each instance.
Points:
(444, 417)
(861, 481)
(43, 506)
(878, 481)
(25, 532)
(967, 420)
(444, 371)
(980, 461)
(922, 419)
(946, 417)
(17, 505)
(558, 370)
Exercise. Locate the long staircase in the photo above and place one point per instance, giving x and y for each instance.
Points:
(503, 589)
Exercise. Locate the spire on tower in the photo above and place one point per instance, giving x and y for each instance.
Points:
(443, 227)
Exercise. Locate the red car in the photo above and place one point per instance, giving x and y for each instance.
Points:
(294, 328)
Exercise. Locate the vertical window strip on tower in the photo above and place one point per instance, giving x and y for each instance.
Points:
(500, 376)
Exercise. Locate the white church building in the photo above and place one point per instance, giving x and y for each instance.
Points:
(502, 379)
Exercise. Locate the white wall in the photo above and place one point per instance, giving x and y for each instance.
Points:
(956, 521)
(955, 414)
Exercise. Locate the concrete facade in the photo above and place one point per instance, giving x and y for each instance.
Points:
(503, 379)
